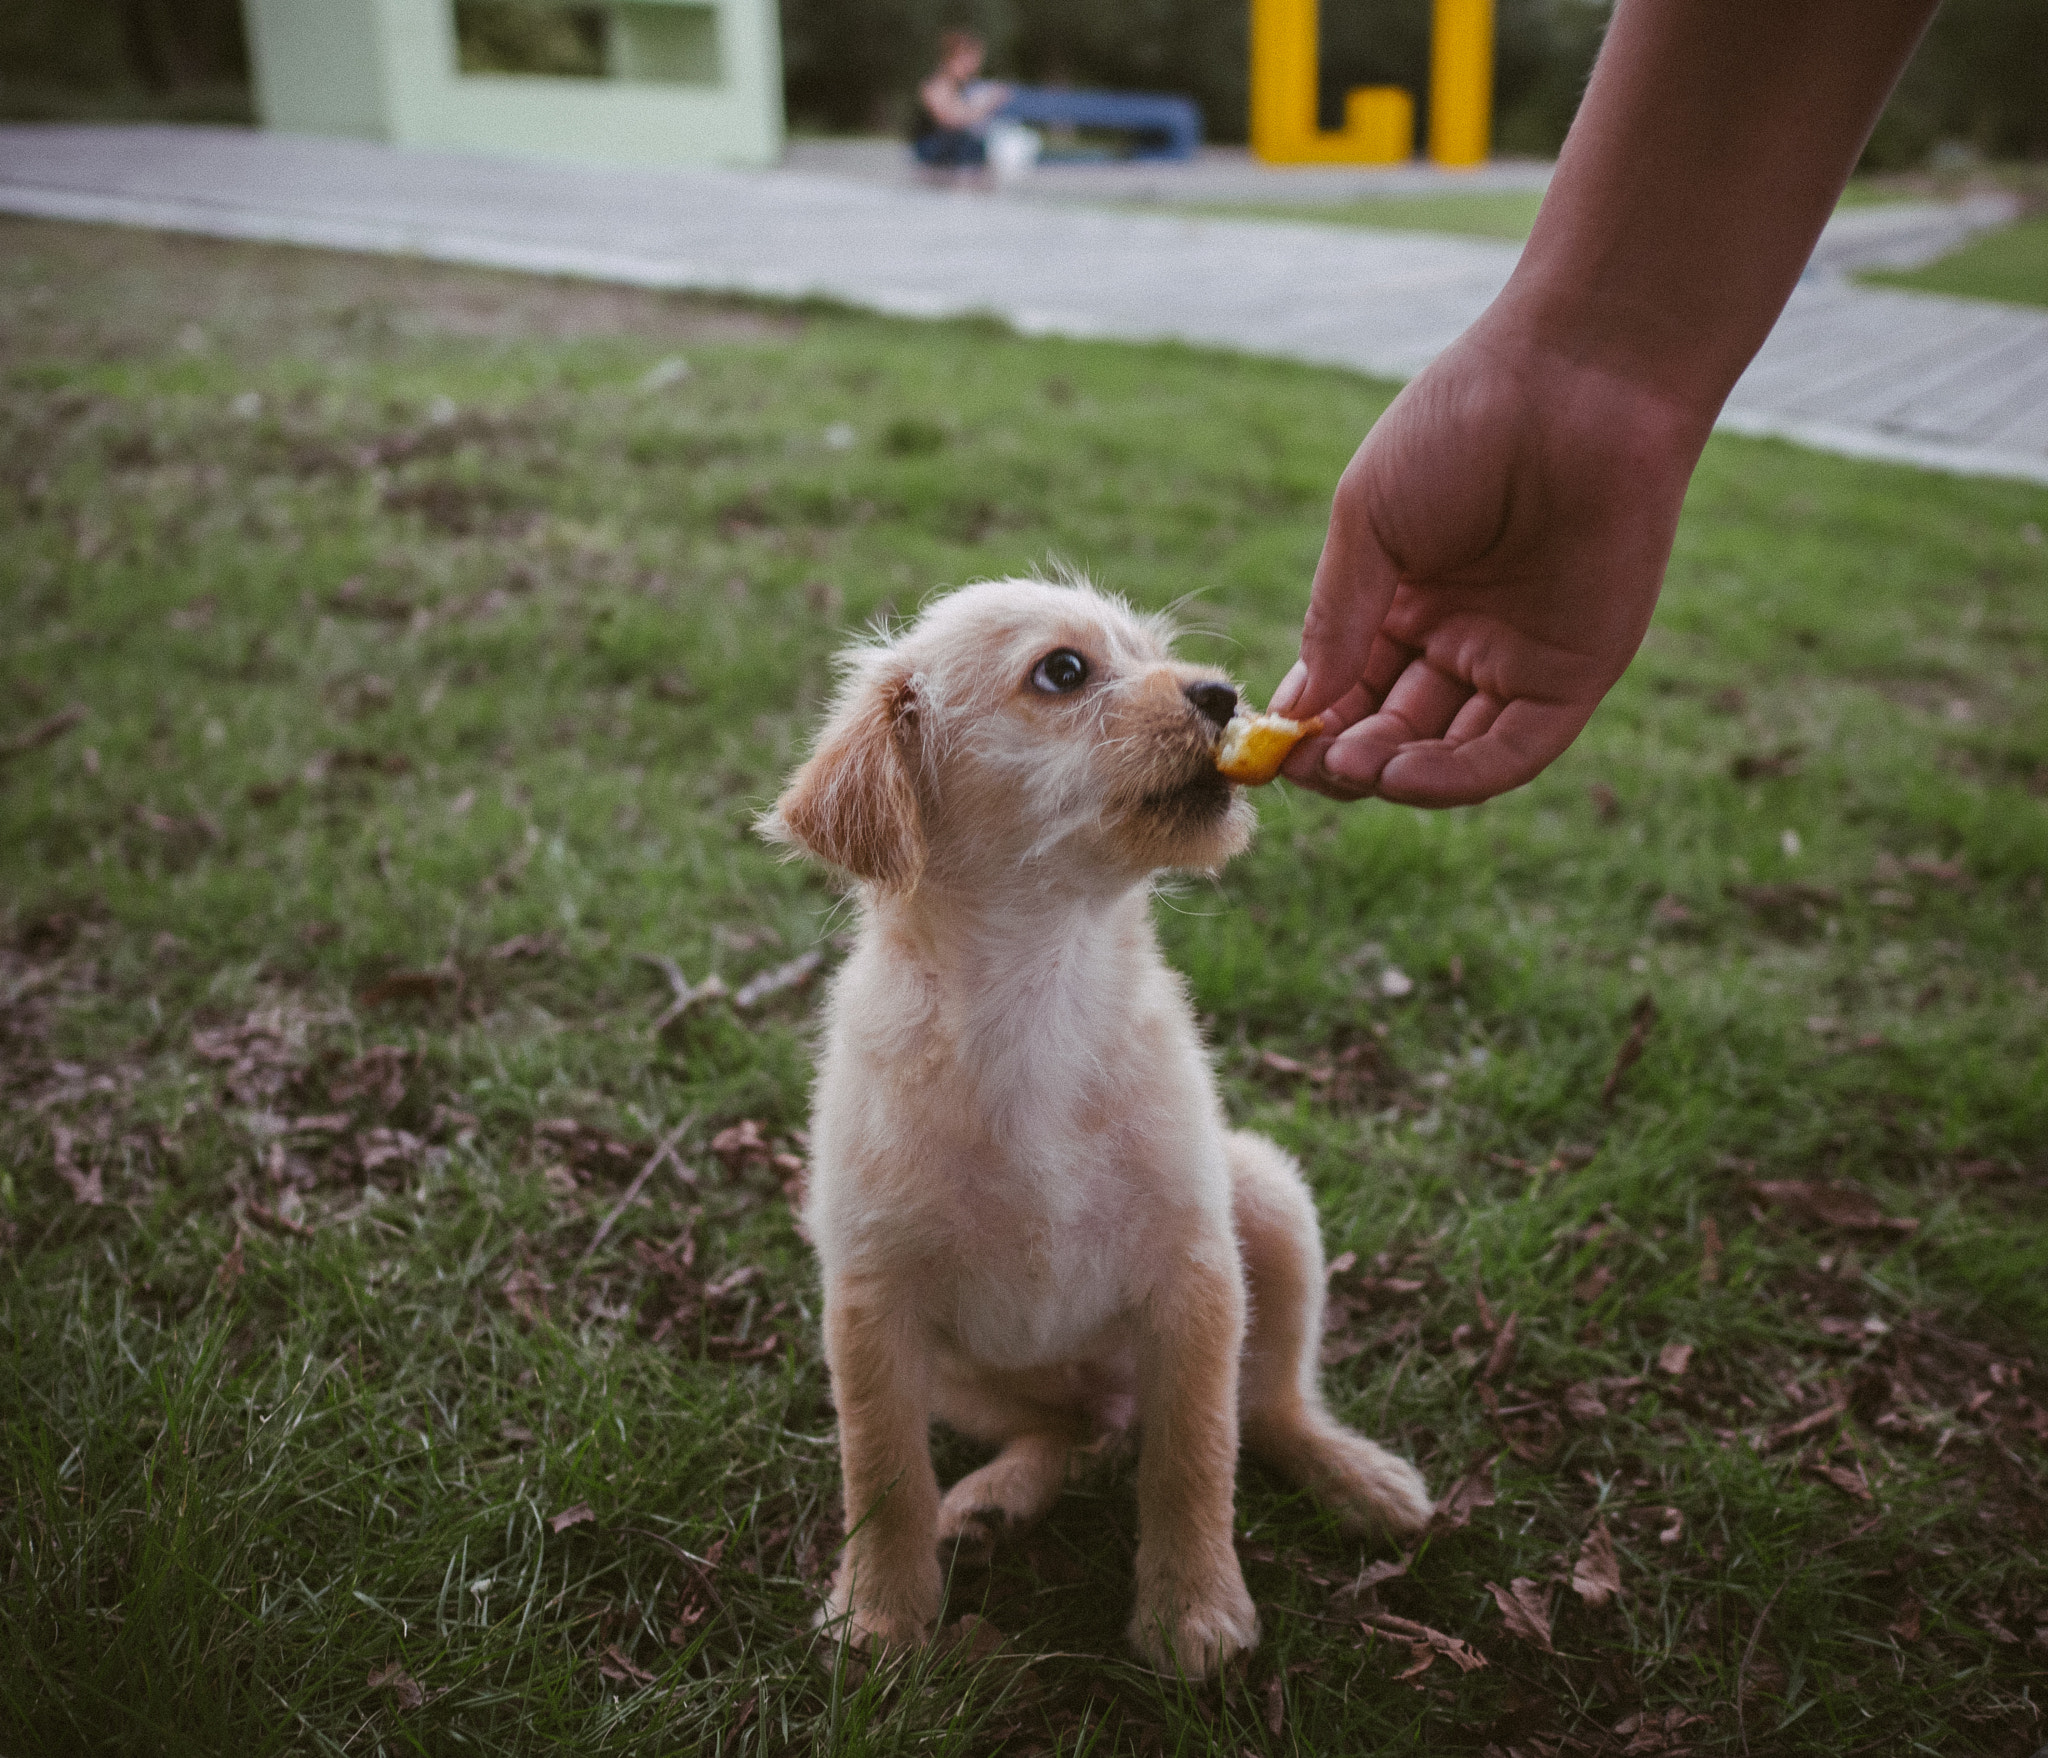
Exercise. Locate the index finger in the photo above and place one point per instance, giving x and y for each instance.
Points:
(1354, 583)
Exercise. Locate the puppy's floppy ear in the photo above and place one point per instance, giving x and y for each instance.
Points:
(854, 803)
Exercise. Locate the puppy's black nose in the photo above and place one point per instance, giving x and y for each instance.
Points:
(1217, 702)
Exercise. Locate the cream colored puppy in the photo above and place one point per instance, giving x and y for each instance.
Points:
(1032, 1219)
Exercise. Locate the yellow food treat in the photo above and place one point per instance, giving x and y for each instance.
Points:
(1255, 745)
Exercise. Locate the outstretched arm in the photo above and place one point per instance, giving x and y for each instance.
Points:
(1497, 543)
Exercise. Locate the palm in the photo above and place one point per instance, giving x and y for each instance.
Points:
(1494, 555)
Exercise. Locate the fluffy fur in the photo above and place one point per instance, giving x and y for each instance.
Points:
(1032, 1220)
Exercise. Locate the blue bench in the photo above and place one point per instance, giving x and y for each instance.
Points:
(1160, 127)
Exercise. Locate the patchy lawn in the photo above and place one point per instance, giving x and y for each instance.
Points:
(2010, 264)
(1493, 213)
(408, 1344)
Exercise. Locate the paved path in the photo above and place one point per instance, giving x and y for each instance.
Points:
(1946, 383)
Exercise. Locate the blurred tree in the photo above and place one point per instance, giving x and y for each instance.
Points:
(157, 45)
(1981, 77)
(119, 57)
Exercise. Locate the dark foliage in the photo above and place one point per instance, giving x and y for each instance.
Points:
(1981, 77)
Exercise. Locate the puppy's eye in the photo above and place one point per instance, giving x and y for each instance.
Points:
(1060, 672)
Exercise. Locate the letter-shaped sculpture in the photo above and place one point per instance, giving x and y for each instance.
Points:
(1379, 120)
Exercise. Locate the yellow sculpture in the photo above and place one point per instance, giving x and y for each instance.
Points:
(1379, 120)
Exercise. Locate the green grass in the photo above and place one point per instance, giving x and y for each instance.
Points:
(2009, 264)
(435, 645)
(1506, 213)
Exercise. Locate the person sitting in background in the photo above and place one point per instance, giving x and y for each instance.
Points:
(955, 105)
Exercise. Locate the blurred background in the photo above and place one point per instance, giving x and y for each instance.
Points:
(1978, 89)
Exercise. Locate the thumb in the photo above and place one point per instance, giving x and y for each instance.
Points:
(1354, 584)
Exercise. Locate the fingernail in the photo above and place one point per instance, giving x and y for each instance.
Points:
(1290, 687)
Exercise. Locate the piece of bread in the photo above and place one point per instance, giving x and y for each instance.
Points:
(1255, 745)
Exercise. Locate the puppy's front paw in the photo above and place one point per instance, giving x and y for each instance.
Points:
(1193, 1628)
(877, 1616)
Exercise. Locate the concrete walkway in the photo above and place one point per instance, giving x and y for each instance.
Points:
(1948, 384)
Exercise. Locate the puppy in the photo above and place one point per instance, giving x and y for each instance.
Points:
(1032, 1219)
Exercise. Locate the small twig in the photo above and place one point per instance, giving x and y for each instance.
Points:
(42, 733)
(1295, 1611)
(696, 1564)
(664, 1152)
(684, 994)
(1640, 1020)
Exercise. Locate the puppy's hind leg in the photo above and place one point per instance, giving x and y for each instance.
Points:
(1280, 1402)
(1012, 1490)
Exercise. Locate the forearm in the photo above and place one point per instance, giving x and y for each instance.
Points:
(1713, 141)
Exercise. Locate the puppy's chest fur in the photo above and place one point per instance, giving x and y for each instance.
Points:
(1034, 1140)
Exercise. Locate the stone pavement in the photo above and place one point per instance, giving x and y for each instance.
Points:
(1949, 384)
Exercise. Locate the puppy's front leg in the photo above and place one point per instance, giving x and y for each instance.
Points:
(888, 1585)
(1193, 1610)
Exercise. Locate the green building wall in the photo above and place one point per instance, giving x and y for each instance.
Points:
(689, 82)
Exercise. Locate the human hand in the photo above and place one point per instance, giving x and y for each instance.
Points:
(1495, 550)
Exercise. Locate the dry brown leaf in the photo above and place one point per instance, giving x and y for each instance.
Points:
(1594, 1283)
(86, 1189)
(404, 1689)
(1939, 871)
(231, 1266)
(1526, 1609)
(740, 1145)
(1763, 765)
(527, 946)
(526, 1291)
(574, 1515)
(279, 1222)
(1502, 1355)
(620, 1669)
(1426, 1644)
(1848, 1479)
(1674, 1358)
(1831, 1412)
(735, 1348)
(1844, 1206)
(1987, 1621)
(1648, 1733)
(1582, 1403)
(1371, 1576)
(1710, 1250)
(1276, 1706)
(1906, 1626)
(43, 732)
(1596, 1577)
(406, 986)
(1641, 1018)
(971, 1639)
(377, 1075)
(1465, 1498)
